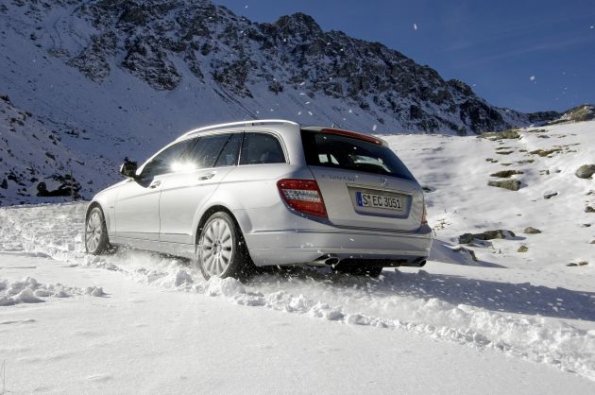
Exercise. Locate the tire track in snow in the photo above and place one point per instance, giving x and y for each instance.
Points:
(396, 301)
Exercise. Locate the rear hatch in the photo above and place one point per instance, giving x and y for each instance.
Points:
(363, 183)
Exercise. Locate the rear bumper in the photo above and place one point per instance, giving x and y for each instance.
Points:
(299, 247)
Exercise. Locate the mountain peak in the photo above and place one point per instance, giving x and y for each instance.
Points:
(298, 23)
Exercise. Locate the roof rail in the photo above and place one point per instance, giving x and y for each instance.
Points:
(254, 122)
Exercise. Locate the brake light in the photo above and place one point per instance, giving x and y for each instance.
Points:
(303, 196)
(424, 216)
(353, 135)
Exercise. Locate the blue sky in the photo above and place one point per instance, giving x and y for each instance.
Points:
(530, 55)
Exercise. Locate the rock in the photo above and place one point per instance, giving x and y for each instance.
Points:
(581, 263)
(504, 135)
(505, 173)
(589, 209)
(466, 251)
(523, 248)
(585, 171)
(531, 230)
(581, 113)
(513, 185)
(468, 238)
(543, 153)
(550, 194)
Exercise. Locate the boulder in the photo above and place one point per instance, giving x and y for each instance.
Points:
(506, 173)
(468, 238)
(585, 171)
(512, 185)
(531, 230)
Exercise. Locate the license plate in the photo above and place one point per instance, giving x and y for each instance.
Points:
(377, 200)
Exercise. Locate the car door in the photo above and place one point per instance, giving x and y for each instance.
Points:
(183, 193)
(137, 205)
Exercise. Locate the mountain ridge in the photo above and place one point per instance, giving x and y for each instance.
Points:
(156, 40)
(106, 79)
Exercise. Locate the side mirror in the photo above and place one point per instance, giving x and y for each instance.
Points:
(128, 168)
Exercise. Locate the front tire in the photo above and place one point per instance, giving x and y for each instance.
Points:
(96, 240)
(221, 249)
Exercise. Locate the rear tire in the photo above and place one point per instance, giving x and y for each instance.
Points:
(96, 239)
(221, 249)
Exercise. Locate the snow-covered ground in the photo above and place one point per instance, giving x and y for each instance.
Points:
(508, 322)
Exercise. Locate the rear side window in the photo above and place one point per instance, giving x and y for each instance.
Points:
(206, 150)
(342, 152)
(261, 148)
(229, 154)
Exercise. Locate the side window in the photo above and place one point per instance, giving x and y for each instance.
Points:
(206, 150)
(162, 163)
(229, 154)
(261, 148)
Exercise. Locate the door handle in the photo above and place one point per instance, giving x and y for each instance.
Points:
(155, 184)
(207, 176)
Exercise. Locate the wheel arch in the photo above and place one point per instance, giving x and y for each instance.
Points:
(207, 214)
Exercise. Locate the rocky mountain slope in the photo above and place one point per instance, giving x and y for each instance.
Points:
(168, 44)
(131, 75)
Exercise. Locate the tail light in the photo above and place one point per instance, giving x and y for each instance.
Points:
(424, 216)
(303, 196)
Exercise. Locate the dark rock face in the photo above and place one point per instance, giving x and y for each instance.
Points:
(148, 61)
(93, 60)
(158, 40)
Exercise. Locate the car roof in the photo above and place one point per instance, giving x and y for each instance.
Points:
(269, 122)
(255, 122)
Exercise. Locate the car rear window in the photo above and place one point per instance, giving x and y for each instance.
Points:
(343, 152)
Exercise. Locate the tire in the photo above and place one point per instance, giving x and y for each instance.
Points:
(96, 239)
(221, 249)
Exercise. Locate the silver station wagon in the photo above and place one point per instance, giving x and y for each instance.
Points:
(236, 196)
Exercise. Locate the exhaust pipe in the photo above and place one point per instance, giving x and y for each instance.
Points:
(332, 261)
(328, 260)
(419, 262)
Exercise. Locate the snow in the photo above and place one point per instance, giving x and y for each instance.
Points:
(509, 321)
(29, 290)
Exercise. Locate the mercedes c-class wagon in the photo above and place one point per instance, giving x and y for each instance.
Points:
(236, 196)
